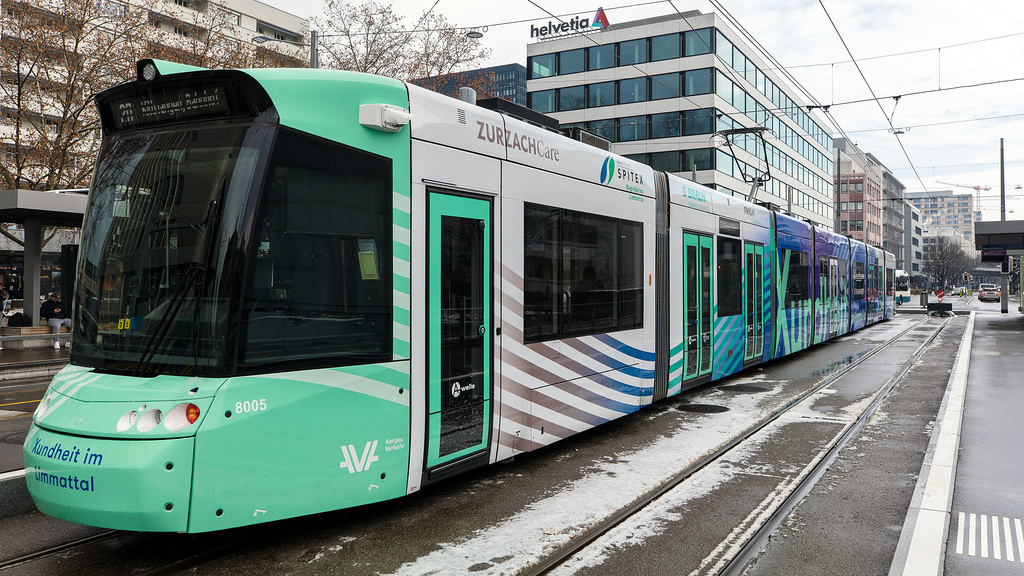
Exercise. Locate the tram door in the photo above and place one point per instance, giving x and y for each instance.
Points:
(833, 297)
(697, 319)
(459, 333)
(755, 302)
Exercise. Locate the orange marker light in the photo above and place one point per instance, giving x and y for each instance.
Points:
(192, 413)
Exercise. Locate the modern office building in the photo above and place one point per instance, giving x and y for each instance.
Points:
(669, 91)
(507, 81)
(946, 209)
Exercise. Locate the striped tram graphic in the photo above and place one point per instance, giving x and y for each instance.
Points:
(990, 537)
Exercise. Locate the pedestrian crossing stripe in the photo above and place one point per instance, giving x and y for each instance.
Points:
(6, 413)
(990, 536)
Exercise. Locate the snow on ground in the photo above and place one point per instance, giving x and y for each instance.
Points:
(613, 482)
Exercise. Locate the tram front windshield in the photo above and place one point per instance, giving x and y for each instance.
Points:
(229, 248)
(149, 294)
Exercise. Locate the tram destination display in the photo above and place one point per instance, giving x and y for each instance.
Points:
(169, 103)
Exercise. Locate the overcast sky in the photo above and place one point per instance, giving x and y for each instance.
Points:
(903, 48)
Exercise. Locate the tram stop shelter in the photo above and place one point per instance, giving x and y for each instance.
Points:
(33, 210)
(998, 240)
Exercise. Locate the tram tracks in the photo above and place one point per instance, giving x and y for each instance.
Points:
(743, 552)
(208, 551)
(58, 549)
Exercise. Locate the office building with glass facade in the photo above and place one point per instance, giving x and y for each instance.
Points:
(507, 81)
(662, 90)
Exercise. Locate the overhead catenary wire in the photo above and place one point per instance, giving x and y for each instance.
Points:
(888, 118)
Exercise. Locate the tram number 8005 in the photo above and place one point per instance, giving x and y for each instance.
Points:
(251, 406)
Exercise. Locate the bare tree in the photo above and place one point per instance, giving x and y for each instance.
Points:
(945, 262)
(373, 38)
(209, 35)
(55, 55)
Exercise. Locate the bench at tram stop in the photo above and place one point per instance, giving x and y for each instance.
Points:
(28, 343)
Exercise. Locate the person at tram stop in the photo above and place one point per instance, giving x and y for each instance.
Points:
(53, 311)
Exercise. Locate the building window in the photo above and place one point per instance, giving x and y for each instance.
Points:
(665, 125)
(698, 121)
(602, 94)
(664, 47)
(697, 42)
(665, 86)
(571, 61)
(600, 57)
(543, 101)
(570, 98)
(697, 81)
(632, 90)
(633, 52)
(665, 161)
(632, 128)
(699, 159)
(542, 66)
(603, 128)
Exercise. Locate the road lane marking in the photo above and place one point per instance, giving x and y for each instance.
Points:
(16, 403)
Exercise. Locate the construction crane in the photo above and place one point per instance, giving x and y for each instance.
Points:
(977, 191)
(975, 188)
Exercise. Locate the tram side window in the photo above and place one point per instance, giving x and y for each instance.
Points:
(730, 293)
(797, 290)
(858, 280)
(582, 274)
(319, 287)
(842, 279)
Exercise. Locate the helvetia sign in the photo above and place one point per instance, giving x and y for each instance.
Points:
(575, 26)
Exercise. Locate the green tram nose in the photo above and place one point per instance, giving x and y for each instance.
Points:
(84, 461)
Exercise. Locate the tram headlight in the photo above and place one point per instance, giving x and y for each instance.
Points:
(127, 420)
(181, 416)
(150, 419)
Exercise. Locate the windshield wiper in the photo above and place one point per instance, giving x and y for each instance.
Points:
(195, 275)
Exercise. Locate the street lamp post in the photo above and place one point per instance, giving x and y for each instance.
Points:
(314, 53)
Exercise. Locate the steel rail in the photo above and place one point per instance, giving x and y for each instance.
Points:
(752, 547)
(32, 556)
(589, 537)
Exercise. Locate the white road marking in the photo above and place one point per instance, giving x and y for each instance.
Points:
(973, 529)
(1009, 539)
(970, 543)
(960, 534)
(996, 552)
(1020, 539)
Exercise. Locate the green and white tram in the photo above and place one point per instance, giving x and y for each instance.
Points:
(305, 290)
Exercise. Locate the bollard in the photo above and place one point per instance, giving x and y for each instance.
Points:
(924, 299)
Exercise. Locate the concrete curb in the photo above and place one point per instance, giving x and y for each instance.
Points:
(922, 545)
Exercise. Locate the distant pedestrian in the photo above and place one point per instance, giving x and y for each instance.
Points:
(55, 316)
